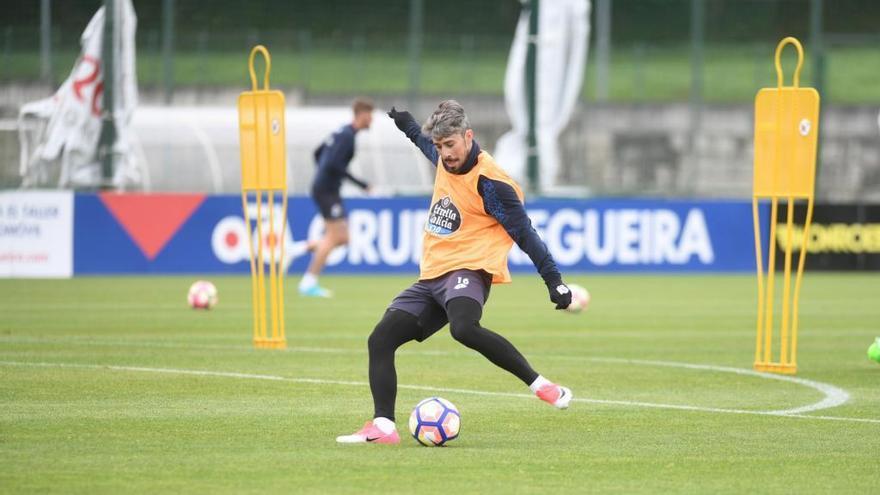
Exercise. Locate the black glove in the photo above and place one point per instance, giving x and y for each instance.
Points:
(559, 294)
(401, 118)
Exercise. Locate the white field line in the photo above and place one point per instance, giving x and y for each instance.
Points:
(251, 376)
(833, 396)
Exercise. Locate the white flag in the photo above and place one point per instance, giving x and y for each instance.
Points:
(563, 31)
(63, 130)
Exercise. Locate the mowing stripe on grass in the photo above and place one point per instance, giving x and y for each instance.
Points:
(321, 381)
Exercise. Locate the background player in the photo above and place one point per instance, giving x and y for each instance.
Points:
(332, 159)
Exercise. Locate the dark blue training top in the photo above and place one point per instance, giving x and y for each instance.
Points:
(332, 159)
(500, 201)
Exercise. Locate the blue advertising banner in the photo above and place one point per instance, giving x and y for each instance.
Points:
(116, 233)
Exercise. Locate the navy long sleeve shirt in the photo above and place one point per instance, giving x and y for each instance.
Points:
(332, 159)
(500, 201)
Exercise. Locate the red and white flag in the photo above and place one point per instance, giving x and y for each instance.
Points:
(59, 135)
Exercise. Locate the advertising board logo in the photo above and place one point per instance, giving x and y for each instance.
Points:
(151, 220)
(837, 237)
(229, 240)
(625, 236)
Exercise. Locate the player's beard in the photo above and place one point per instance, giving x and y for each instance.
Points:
(459, 162)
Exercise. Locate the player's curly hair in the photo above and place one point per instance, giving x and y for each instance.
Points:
(448, 119)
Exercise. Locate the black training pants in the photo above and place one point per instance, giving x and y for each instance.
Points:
(399, 327)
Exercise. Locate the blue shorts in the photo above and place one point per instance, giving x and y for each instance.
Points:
(427, 299)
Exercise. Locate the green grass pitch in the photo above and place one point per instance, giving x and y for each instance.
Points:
(98, 392)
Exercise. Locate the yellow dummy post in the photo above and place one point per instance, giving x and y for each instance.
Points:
(263, 180)
(786, 133)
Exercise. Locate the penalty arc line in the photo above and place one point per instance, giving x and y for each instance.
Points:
(833, 396)
(320, 381)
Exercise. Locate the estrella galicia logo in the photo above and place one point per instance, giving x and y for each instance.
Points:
(443, 218)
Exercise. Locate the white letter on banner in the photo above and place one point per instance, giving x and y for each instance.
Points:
(665, 232)
(567, 248)
(362, 240)
(417, 231)
(539, 218)
(516, 256)
(597, 254)
(695, 238)
(628, 233)
(387, 228)
(645, 217)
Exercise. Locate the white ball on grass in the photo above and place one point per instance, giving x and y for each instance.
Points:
(202, 295)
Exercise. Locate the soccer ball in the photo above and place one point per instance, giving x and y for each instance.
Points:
(580, 299)
(202, 295)
(434, 422)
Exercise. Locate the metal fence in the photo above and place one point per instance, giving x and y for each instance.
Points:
(641, 50)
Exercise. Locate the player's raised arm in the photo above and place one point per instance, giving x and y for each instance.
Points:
(408, 125)
(501, 201)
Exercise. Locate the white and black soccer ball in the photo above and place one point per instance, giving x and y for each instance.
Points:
(580, 298)
(202, 295)
(434, 421)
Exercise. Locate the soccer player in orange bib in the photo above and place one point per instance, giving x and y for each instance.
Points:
(476, 215)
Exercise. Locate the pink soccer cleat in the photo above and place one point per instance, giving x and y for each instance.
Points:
(556, 395)
(370, 433)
